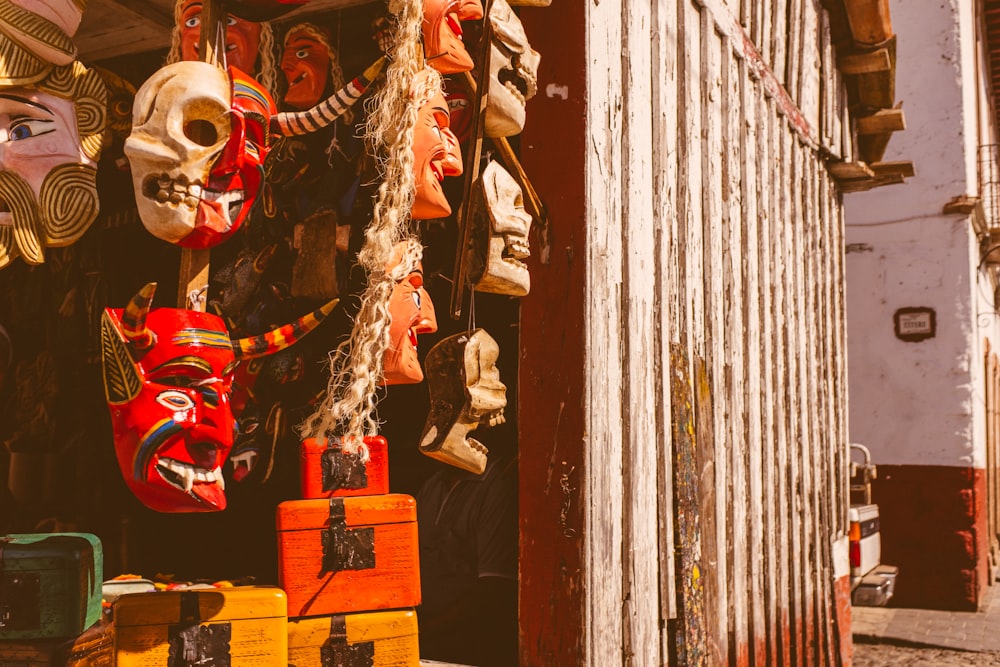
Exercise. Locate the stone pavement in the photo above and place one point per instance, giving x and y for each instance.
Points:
(960, 630)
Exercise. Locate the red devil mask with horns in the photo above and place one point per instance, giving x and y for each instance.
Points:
(168, 376)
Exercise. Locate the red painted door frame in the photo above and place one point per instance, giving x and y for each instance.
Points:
(551, 419)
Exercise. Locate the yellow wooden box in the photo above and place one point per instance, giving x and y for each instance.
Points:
(243, 626)
(377, 639)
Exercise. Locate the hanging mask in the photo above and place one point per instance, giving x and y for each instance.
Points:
(513, 73)
(442, 32)
(243, 37)
(500, 235)
(435, 155)
(197, 148)
(465, 392)
(36, 35)
(411, 313)
(168, 377)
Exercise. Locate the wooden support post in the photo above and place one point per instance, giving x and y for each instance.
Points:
(869, 20)
(192, 286)
(865, 63)
(472, 155)
(509, 160)
(886, 120)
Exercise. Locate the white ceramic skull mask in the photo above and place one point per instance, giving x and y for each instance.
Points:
(180, 125)
(500, 268)
(513, 73)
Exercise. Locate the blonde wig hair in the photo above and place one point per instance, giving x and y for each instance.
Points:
(348, 409)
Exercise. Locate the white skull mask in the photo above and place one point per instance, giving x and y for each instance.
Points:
(513, 72)
(180, 124)
(466, 392)
(501, 228)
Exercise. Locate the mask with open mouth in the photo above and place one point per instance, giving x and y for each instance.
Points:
(435, 152)
(442, 32)
(197, 149)
(513, 73)
(466, 393)
(411, 313)
(168, 376)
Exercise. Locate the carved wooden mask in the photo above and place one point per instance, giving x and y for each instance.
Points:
(513, 73)
(465, 392)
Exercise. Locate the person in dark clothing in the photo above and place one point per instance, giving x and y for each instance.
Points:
(468, 565)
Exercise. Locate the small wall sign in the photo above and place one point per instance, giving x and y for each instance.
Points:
(915, 324)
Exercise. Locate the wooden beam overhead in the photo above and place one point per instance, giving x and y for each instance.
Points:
(886, 120)
(903, 168)
(849, 171)
(869, 20)
(865, 63)
(146, 10)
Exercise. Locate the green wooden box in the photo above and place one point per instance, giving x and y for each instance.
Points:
(50, 585)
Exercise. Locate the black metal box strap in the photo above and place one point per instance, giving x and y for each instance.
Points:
(346, 548)
(194, 644)
(340, 469)
(336, 652)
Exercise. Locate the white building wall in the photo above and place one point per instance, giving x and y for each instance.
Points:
(921, 403)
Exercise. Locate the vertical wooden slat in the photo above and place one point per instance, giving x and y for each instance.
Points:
(772, 548)
(606, 322)
(779, 389)
(715, 349)
(748, 139)
(733, 309)
(809, 68)
(639, 436)
(691, 628)
(777, 34)
(805, 406)
(793, 54)
(793, 417)
(665, 190)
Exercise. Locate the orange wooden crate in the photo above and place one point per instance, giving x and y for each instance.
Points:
(346, 555)
(326, 471)
(378, 639)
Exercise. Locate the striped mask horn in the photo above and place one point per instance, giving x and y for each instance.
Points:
(283, 337)
(133, 322)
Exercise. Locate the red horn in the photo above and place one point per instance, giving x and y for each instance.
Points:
(282, 337)
(133, 321)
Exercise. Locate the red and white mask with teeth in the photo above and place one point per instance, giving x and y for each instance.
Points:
(198, 143)
(170, 409)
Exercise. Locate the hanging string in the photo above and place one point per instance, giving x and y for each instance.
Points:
(472, 311)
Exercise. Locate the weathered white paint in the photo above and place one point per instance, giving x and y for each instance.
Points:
(714, 226)
(912, 402)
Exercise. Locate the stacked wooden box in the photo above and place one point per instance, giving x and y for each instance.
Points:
(50, 601)
(348, 562)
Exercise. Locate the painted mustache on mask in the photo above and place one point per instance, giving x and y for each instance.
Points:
(65, 208)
